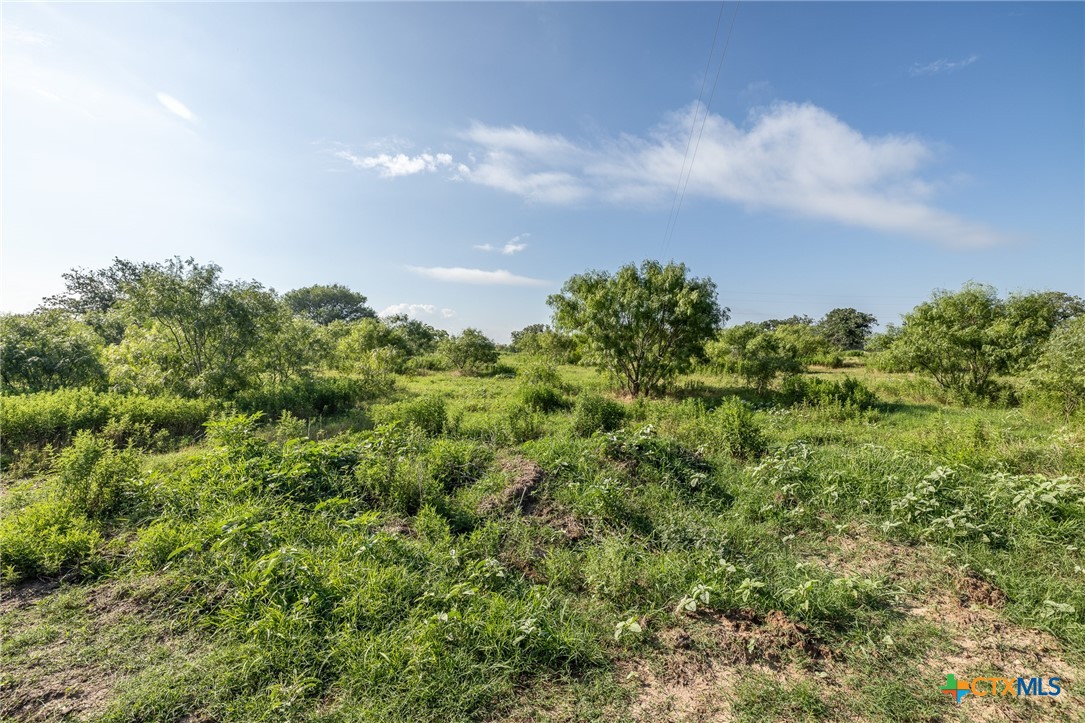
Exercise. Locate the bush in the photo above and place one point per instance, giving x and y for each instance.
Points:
(596, 413)
(542, 397)
(94, 476)
(45, 537)
(454, 463)
(55, 417)
(1058, 377)
(738, 430)
(822, 392)
(321, 396)
(428, 413)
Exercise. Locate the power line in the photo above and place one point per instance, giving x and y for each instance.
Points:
(693, 126)
(708, 107)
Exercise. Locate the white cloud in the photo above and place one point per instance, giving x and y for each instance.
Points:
(175, 106)
(512, 246)
(17, 34)
(796, 158)
(941, 65)
(418, 310)
(399, 164)
(458, 275)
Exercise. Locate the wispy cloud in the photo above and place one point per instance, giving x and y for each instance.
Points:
(418, 310)
(942, 65)
(458, 275)
(512, 246)
(399, 164)
(175, 106)
(796, 158)
(16, 34)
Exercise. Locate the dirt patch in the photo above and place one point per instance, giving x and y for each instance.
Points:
(972, 591)
(694, 675)
(67, 663)
(24, 595)
(975, 640)
(522, 493)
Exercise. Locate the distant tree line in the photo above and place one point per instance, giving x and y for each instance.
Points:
(178, 327)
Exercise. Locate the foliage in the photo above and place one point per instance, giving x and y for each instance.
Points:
(44, 538)
(1058, 377)
(195, 330)
(823, 392)
(47, 350)
(965, 339)
(541, 340)
(56, 417)
(325, 303)
(643, 326)
(95, 296)
(596, 413)
(470, 351)
(312, 396)
(758, 356)
(739, 432)
(94, 476)
(846, 328)
(428, 413)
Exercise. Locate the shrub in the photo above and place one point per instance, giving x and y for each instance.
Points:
(94, 476)
(596, 413)
(428, 413)
(1058, 377)
(55, 417)
(541, 397)
(739, 432)
(470, 351)
(45, 537)
(320, 396)
(822, 392)
(454, 463)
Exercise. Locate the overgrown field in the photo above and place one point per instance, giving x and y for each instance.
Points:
(527, 546)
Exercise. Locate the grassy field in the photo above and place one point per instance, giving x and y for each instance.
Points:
(527, 547)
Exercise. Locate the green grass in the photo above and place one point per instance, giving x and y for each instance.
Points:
(408, 563)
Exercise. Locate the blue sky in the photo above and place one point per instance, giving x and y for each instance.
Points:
(460, 161)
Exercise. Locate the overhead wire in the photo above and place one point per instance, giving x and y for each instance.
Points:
(693, 124)
(673, 222)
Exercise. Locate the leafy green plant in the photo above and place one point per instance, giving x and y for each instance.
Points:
(96, 477)
(738, 430)
(596, 413)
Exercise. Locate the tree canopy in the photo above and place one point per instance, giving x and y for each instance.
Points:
(846, 328)
(642, 325)
(327, 303)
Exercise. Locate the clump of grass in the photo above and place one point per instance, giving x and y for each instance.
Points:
(596, 413)
(739, 432)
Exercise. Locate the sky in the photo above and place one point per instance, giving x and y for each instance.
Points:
(458, 162)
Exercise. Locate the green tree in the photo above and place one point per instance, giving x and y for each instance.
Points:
(327, 303)
(527, 339)
(1058, 377)
(47, 350)
(959, 338)
(965, 339)
(469, 351)
(846, 328)
(415, 337)
(756, 354)
(201, 334)
(643, 326)
(1031, 319)
(94, 296)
